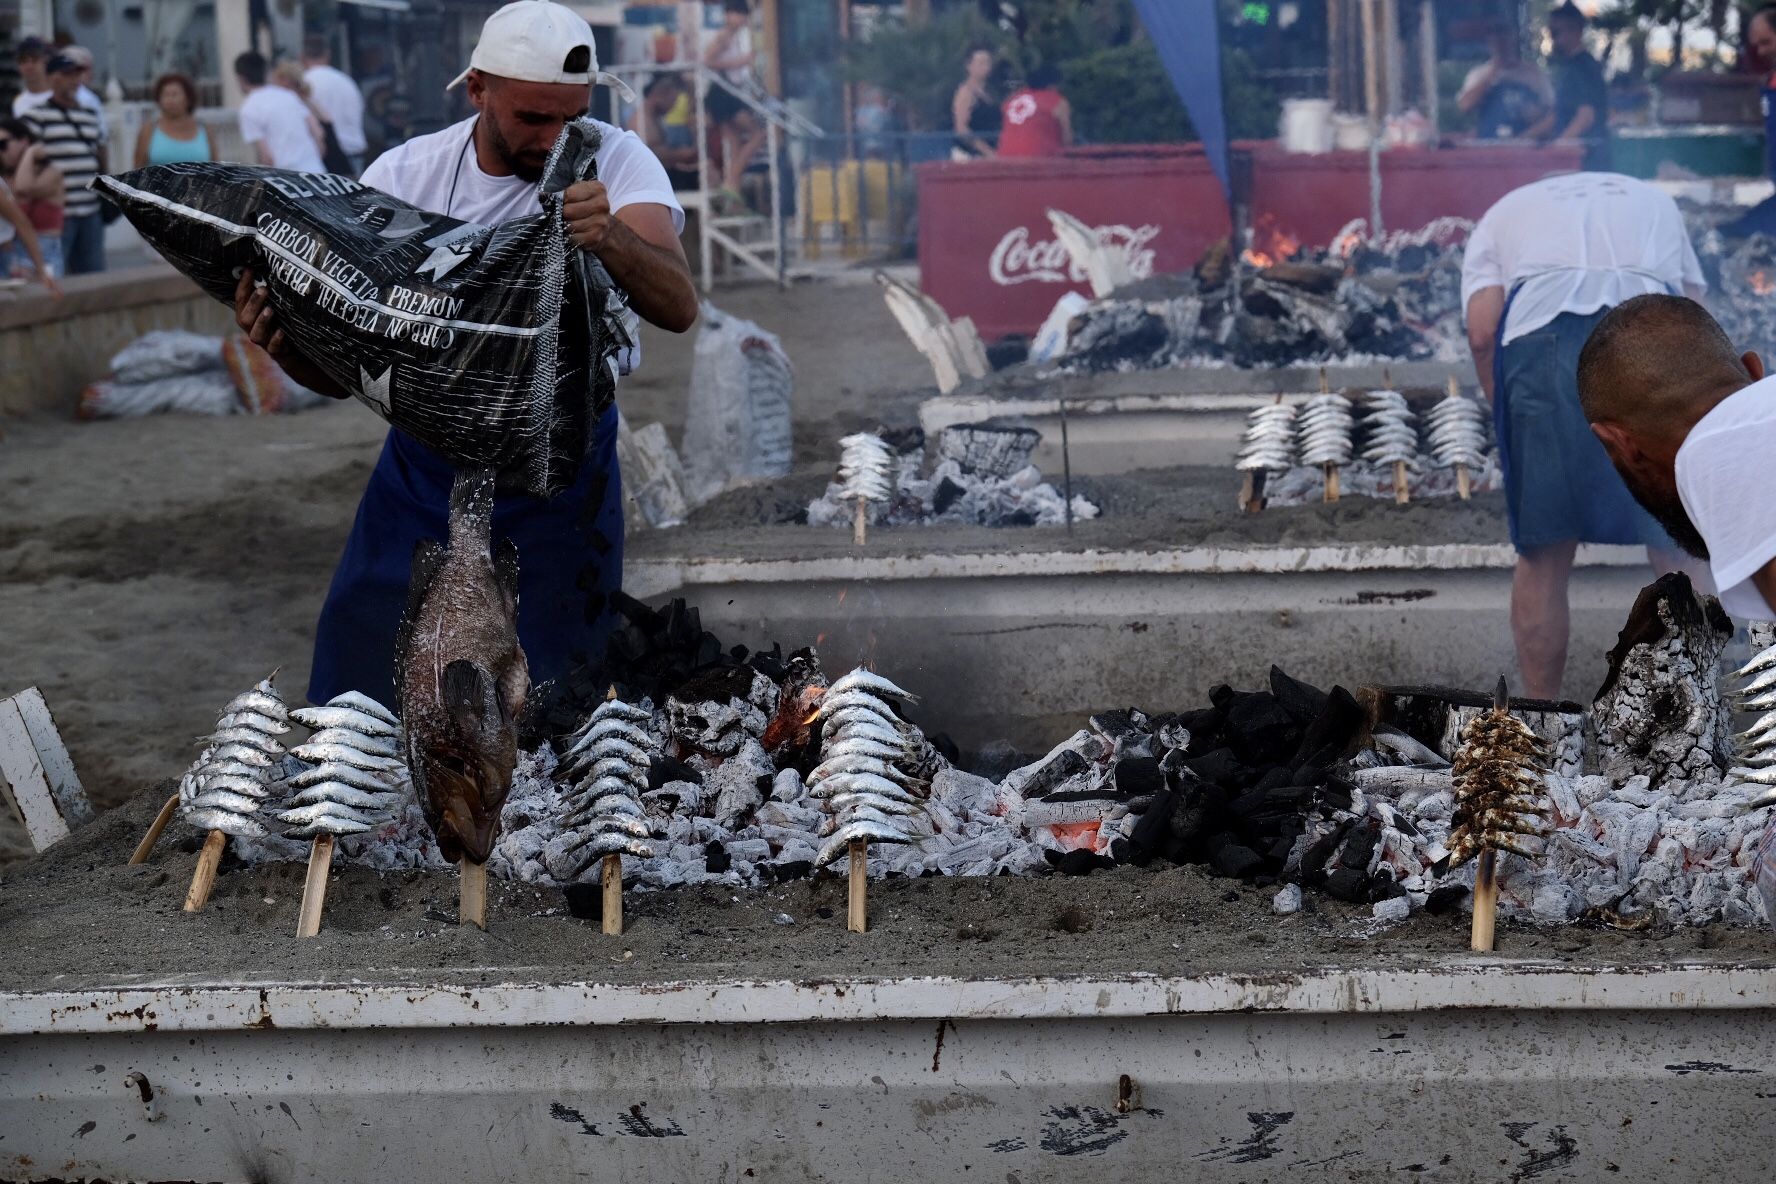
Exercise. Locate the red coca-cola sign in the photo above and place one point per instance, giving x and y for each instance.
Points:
(986, 249)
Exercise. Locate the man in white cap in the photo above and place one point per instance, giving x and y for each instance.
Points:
(532, 71)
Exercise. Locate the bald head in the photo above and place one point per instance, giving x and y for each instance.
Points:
(1657, 364)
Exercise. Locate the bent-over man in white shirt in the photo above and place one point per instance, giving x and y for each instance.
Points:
(1541, 269)
(532, 71)
(1690, 424)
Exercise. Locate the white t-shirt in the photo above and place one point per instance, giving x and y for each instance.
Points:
(278, 118)
(25, 100)
(1579, 243)
(1723, 474)
(440, 173)
(340, 100)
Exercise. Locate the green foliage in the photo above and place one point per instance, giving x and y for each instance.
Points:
(921, 66)
(1110, 72)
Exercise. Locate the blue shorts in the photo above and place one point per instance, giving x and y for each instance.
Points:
(570, 561)
(1559, 483)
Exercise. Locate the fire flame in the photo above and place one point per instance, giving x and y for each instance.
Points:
(1270, 244)
(1761, 283)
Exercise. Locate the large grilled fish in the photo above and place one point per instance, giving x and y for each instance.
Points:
(461, 674)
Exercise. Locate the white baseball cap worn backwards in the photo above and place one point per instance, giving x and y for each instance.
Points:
(532, 41)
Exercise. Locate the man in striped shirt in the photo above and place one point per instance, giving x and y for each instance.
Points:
(73, 142)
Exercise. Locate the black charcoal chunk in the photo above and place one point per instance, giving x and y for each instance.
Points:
(716, 858)
(1139, 775)
(585, 901)
(1082, 862)
(1063, 766)
(1446, 899)
(1348, 884)
(1234, 860)
(663, 770)
(1302, 702)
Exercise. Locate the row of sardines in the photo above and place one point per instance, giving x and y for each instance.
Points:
(351, 775)
(1376, 428)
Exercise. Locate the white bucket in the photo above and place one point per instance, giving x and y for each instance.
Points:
(1350, 133)
(1307, 125)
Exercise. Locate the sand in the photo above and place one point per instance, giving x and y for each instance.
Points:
(78, 916)
(1150, 509)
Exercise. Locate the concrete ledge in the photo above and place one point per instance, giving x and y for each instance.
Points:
(1451, 983)
(51, 349)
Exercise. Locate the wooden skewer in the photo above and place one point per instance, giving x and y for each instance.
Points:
(471, 907)
(314, 888)
(612, 874)
(1402, 491)
(1464, 486)
(140, 854)
(1249, 492)
(1486, 897)
(1331, 482)
(1325, 386)
(860, 523)
(857, 916)
(204, 878)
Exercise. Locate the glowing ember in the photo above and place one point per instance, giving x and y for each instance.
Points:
(1270, 244)
(1073, 836)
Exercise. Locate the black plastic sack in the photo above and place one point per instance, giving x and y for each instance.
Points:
(495, 346)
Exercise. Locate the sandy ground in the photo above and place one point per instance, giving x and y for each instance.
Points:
(401, 926)
(1150, 509)
(150, 569)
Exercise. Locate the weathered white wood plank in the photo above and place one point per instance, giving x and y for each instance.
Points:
(58, 766)
(24, 781)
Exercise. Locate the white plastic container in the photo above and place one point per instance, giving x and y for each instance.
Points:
(1307, 125)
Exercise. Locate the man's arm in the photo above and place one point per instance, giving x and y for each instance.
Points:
(1474, 87)
(1583, 121)
(1485, 309)
(639, 247)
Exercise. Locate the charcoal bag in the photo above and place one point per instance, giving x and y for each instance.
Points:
(495, 346)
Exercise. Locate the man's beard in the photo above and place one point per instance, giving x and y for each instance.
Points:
(1668, 510)
(523, 169)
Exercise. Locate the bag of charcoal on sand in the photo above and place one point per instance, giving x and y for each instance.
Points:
(495, 346)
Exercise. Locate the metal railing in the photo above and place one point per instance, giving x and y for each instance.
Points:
(729, 232)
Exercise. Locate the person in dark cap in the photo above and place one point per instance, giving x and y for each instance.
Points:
(74, 141)
(1581, 95)
(31, 53)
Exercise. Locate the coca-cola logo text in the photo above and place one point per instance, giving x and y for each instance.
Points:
(1017, 260)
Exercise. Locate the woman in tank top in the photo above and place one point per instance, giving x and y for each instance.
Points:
(174, 135)
(974, 114)
(36, 186)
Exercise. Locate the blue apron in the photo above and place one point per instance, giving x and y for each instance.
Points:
(1559, 483)
(570, 561)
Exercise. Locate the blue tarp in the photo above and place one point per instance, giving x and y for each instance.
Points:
(1188, 38)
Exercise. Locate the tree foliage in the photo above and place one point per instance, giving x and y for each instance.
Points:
(1110, 72)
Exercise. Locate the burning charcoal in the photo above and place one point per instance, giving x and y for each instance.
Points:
(226, 788)
(984, 450)
(1359, 848)
(1057, 770)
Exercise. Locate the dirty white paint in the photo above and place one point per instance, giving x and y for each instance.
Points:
(1465, 1070)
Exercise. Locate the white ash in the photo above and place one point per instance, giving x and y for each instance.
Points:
(1660, 714)
(1688, 852)
(1304, 485)
(951, 492)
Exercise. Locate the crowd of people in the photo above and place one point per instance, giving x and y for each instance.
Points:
(302, 114)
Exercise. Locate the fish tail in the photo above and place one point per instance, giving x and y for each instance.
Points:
(471, 508)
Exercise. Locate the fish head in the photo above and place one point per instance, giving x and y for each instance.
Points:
(468, 769)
